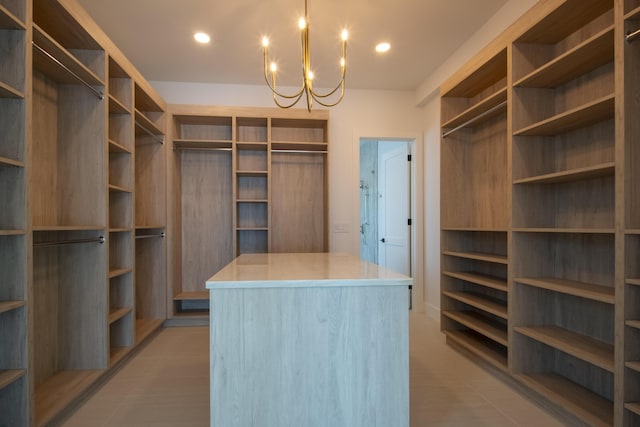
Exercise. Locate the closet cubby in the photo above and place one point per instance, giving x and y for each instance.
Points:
(252, 160)
(475, 292)
(201, 174)
(474, 210)
(150, 281)
(299, 134)
(68, 125)
(150, 214)
(121, 317)
(69, 308)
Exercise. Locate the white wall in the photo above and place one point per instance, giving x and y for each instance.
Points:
(376, 115)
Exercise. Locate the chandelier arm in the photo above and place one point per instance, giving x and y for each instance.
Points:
(319, 101)
(328, 94)
(272, 87)
(294, 102)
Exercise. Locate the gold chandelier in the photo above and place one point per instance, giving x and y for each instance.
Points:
(288, 101)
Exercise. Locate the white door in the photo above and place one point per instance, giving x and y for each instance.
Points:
(393, 207)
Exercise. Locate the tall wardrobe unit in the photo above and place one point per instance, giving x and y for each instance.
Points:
(243, 180)
(541, 208)
(82, 188)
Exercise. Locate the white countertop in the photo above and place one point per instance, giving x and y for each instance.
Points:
(303, 270)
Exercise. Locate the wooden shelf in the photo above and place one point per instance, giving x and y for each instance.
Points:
(583, 403)
(587, 56)
(193, 295)
(298, 146)
(117, 189)
(481, 302)
(6, 306)
(117, 353)
(10, 376)
(252, 146)
(45, 228)
(203, 143)
(481, 324)
(633, 282)
(633, 407)
(117, 107)
(252, 173)
(59, 391)
(482, 78)
(5, 161)
(8, 21)
(570, 287)
(580, 346)
(144, 124)
(149, 227)
(116, 314)
(252, 228)
(588, 114)
(119, 272)
(480, 108)
(635, 365)
(633, 323)
(632, 14)
(475, 344)
(45, 64)
(564, 230)
(116, 147)
(12, 232)
(476, 229)
(7, 91)
(498, 259)
(252, 201)
(145, 327)
(120, 230)
(604, 169)
(479, 279)
(564, 20)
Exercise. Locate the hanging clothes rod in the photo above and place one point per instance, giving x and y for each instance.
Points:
(96, 92)
(473, 120)
(99, 239)
(147, 131)
(300, 151)
(149, 236)
(200, 149)
(632, 35)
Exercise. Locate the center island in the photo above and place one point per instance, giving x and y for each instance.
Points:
(313, 340)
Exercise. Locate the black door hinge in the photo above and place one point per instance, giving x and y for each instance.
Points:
(409, 221)
(409, 157)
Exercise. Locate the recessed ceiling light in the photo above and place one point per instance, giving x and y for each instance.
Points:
(202, 37)
(383, 47)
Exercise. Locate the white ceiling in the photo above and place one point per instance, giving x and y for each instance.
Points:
(157, 36)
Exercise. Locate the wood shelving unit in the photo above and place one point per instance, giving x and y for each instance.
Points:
(14, 236)
(544, 244)
(474, 238)
(240, 152)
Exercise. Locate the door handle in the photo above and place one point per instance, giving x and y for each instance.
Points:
(383, 240)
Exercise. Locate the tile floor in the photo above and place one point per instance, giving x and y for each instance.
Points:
(167, 384)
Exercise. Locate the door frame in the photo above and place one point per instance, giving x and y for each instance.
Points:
(416, 195)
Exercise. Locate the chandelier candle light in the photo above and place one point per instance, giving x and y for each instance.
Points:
(307, 74)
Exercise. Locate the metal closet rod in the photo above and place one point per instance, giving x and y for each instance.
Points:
(200, 149)
(149, 236)
(473, 120)
(147, 131)
(99, 239)
(96, 92)
(632, 35)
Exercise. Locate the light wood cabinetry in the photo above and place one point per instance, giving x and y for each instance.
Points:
(629, 372)
(150, 213)
(474, 223)
(241, 180)
(567, 329)
(15, 241)
(82, 266)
